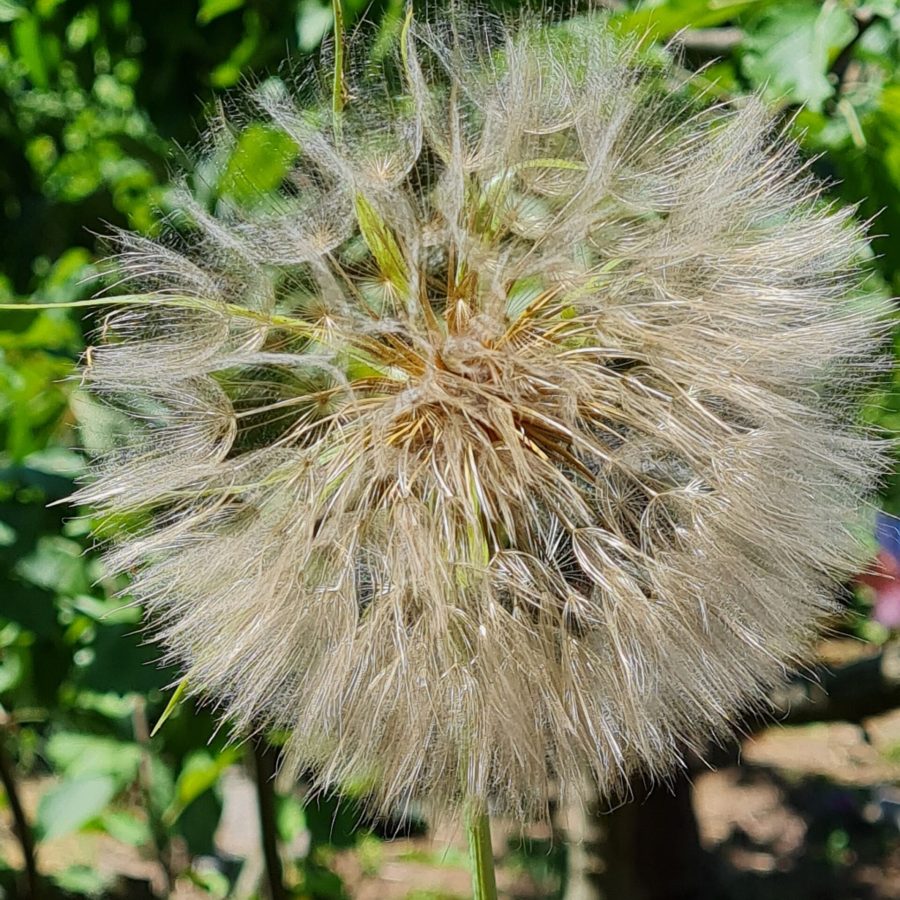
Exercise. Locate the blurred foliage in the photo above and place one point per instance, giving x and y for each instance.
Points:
(97, 98)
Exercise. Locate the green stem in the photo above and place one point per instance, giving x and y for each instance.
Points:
(158, 832)
(478, 831)
(339, 88)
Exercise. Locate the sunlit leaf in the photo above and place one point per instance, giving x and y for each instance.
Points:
(259, 162)
(79, 755)
(10, 10)
(200, 772)
(212, 9)
(26, 33)
(171, 706)
(83, 880)
(314, 19)
(126, 827)
(70, 805)
(790, 48)
(662, 18)
(383, 245)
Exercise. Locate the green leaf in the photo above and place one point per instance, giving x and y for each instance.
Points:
(56, 461)
(212, 9)
(320, 881)
(174, 700)
(12, 667)
(229, 72)
(211, 882)
(10, 10)
(290, 816)
(866, 167)
(26, 34)
(521, 294)
(314, 19)
(109, 706)
(80, 755)
(126, 827)
(162, 785)
(883, 8)
(661, 18)
(82, 880)
(200, 772)
(70, 805)
(789, 49)
(382, 245)
(257, 165)
(57, 564)
(105, 612)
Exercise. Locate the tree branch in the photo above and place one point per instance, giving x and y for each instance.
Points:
(848, 693)
(22, 828)
(711, 42)
(158, 835)
(864, 21)
(264, 772)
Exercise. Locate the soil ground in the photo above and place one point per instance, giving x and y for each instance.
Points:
(810, 813)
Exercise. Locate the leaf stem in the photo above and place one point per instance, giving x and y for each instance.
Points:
(478, 831)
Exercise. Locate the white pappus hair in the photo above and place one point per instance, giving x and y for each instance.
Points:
(512, 434)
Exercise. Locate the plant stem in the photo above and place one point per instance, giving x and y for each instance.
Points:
(22, 828)
(339, 88)
(478, 831)
(158, 835)
(264, 764)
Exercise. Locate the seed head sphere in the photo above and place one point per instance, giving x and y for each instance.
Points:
(507, 431)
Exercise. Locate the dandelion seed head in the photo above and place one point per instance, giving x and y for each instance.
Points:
(512, 433)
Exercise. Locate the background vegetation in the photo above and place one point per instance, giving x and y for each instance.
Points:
(97, 100)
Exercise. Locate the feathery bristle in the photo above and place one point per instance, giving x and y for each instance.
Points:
(512, 435)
